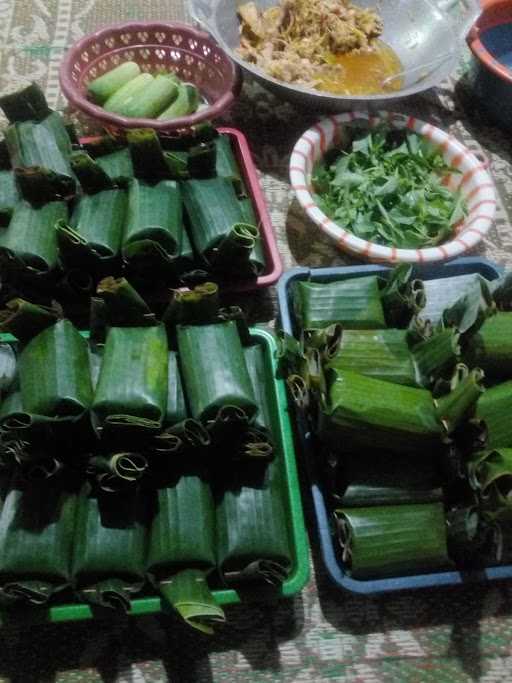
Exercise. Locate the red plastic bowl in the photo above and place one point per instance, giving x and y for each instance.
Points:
(192, 54)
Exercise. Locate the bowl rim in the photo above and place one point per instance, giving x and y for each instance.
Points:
(313, 143)
(494, 13)
(80, 102)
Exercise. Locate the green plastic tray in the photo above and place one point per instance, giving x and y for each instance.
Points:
(299, 575)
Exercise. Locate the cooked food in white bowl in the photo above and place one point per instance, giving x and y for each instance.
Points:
(391, 188)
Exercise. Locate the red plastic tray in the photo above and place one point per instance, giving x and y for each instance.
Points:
(273, 264)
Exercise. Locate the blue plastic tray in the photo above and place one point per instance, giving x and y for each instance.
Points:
(335, 567)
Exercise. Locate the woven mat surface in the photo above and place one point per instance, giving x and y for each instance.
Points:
(439, 636)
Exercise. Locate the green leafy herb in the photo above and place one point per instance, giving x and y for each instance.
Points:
(390, 190)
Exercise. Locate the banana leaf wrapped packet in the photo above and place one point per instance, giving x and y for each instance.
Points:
(153, 232)
(490, 348)
(181, 551)
(372, 413)
(354, 303)
(37, 526)
(492, 417)
(29, 243)
(92, 240)
(218, 228)
(490, 475)
(392, 540)
(252, 529)
(54, 373)
(214, 373)
(9, 195)
(132, 386)
(108, 560)
(258, 441)
(40, 153)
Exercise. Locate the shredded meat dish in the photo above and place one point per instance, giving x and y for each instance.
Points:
(293, 41)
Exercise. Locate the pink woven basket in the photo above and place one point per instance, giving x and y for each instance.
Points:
(192, 54)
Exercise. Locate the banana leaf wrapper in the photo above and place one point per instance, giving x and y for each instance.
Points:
(392, 540)
(30, 240)
(238, 253)
(125, 466)
(117, 165)
(200, 305)
(36, 539)
(182, 550)
(24, 428)
(25, 104)
(189, 435)
(436, 355)
(226, 165)
(54, 373)
(490, 474)
(147, 156)
(153, 231)
(44, 146)
(501, 290)
(402, 297)
(98, 219)
(258, 441)
(454, 407)
(252, 530)
(355, 304)
(214, 370)
(110, 547)
(371, 479)
(124, 306)
(9, 196)
(202, 160)
(133, 380)
(25, 320)
(468, 534)
(491, 347)
(382, 354)
(493, 412)
(471, 310)
(369, 413)
(213, 210)
(443, 293)
(89, 173)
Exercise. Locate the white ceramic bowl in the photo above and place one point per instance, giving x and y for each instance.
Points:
(473, 180)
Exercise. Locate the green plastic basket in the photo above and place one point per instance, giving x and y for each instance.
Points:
(299, 574)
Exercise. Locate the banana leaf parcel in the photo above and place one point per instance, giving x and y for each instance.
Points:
(54, 373)
(370, 413)
(153, 231)
(492, 415)
(40, 154)
(29, 243)
(392, 540)
(354, 303)
(214, 370)
(382, 354)
(490, 348)
(252, 529)
(110, 547)
(9, 195)
(36, 539)
(133, 380)
(258, 441)
(218, 227)
(95, 230)
(490, 475)
(182, 550)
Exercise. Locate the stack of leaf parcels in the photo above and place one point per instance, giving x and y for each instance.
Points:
(407, 386)
(71, 214)
(142, 458)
